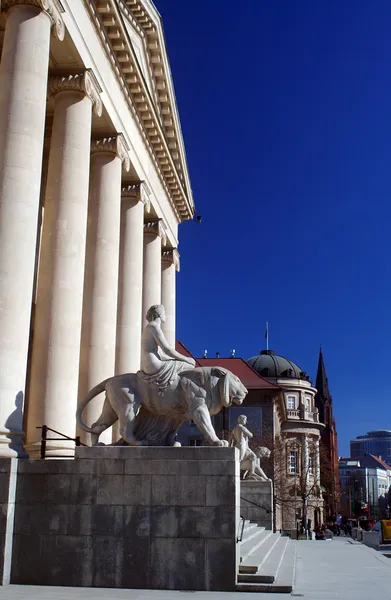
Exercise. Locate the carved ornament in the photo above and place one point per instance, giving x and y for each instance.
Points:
(52, 8)
(139, 192)
(115, 144)
(86, 83)
(156, 227)
(171, 255)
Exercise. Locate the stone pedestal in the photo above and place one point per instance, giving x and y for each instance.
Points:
(129, 517)
(256, 502)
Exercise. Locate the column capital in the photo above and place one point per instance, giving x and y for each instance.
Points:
(52, 8)
(156, 227)
(171, 255)
(115, 144)
(86, 83)
(139, 192)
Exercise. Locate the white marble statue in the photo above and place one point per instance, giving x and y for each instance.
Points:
(153, 403)
(249, 461)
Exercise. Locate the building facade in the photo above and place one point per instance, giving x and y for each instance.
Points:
(93, 187)
(374, 442)
(365, 487)
(297, 468)
(329, 441)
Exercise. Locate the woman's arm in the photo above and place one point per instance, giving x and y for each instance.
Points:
(170, 353)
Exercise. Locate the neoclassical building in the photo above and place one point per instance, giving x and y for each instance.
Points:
(93, 187)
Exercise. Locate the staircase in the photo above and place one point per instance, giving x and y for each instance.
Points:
(267, 561)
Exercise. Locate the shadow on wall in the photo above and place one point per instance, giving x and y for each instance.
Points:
(14, 424)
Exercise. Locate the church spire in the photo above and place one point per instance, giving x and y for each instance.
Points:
(322, 384)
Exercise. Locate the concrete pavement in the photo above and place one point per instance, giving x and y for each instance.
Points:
(331, 570)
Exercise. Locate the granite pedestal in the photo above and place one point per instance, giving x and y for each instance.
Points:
(256, 499)
(155, 518)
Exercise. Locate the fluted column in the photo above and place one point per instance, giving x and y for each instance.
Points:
(56, 346)
(98, 337)
(154, 233)
(23, 87)
(170, 264)
(129, 325)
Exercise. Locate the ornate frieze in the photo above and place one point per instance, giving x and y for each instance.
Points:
(156, 227)
(52, 8)
(139, 192)
(171, 255)
(115, 144)
(85, 83)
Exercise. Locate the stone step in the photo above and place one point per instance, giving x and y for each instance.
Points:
(271, 563)
(266, 588)
(260, 550)
(248, 528)
(247, 570)
(286, 571)
(254, 578)
(251, 533)
(249, 546)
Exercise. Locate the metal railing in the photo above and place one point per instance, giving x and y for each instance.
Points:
(268, 510)
(44, 439)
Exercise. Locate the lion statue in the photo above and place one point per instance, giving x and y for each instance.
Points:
(152, 416)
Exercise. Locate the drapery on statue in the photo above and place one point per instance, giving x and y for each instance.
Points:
(249, 461)
(153, 403)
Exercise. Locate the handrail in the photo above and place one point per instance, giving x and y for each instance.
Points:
(255, 504)
(44, 438)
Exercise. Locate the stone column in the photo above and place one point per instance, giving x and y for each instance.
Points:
(98, 337)
(56, 346)
(23, 88)
(170, 264)
(129, 324)
(317, 463)
(154, 233)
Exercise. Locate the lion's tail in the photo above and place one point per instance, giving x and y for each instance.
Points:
(98, 389)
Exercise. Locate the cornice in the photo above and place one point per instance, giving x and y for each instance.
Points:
(171, 256)
(52, 8)
(139, 192)
(86, 83)
(156, 227)
(162, 143)
(115, 144)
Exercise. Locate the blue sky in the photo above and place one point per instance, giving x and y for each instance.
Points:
(286, 116)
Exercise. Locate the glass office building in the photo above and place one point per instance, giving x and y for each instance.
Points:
(374, 442)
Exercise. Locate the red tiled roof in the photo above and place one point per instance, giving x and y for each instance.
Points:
(379, 460)
(241, 369)
(238, 366)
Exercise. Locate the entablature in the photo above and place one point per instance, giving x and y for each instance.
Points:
(151, 99)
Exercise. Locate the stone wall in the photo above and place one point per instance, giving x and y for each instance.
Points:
(8, 474)
(158, 518)
(256, 498)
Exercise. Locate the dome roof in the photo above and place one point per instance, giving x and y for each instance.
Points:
(268, 364)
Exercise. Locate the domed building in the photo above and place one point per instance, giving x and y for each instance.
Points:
(296, 445)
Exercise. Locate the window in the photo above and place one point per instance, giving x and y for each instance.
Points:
(311, 465)
(291, 402)
(307, 403)
(292, 461)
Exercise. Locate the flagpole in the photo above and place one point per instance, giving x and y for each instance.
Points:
(267, 335)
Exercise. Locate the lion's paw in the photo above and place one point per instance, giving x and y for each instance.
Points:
(223, 443)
